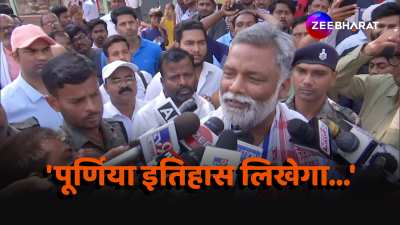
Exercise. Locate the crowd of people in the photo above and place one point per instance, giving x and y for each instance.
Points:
(80, 84)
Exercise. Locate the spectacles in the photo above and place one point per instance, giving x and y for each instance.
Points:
(127, 80)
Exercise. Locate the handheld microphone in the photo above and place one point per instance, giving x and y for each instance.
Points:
(188, 106)
(345, 140)
(246, 148)
(313, 135)
(159, 141)
(166, 110)
(207, 134)
(224, 153)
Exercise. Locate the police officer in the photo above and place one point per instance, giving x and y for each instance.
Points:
(313, 74)
(72, 83)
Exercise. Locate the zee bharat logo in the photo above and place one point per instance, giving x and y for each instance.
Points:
(320, 25)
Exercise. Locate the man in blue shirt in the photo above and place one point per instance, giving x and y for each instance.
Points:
(146, 54)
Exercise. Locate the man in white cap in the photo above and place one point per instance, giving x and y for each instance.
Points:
(120, 83)
(25, 96)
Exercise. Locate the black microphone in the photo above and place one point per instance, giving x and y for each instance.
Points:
(245, 137)
(227, 140)
(314, 135)
(207, 134)
(345, 140)
(188, 106)
(224, 153)
(185, 126)
(215, 125)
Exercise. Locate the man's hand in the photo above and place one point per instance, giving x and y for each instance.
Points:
(389, 39)
(227, 8)
(339, 14)
(266, 17)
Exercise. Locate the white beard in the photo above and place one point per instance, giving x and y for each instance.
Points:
(249, 117)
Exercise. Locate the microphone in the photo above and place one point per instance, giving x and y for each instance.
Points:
(227, 140)
(248, 150)
(224, 153)
(207, 134)
(314, 135)
(159, 141)
(345, 140)
(188, 106)
(368, 153)
(166, 110)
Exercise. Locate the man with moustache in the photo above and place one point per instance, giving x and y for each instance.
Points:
(74, 91)
(255, 73)
(116, 48)
(25, 96)
(120, 84)
(179, 83)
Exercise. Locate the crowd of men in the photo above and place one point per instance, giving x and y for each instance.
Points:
(75, 88)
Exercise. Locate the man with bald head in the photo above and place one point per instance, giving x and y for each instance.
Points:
(9, 68)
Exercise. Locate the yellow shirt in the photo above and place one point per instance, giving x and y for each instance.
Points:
(169, 25)
(380, 110)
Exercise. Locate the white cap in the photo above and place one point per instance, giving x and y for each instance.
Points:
(110, 68)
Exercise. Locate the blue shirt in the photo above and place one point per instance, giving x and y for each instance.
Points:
(146, 57)
(154, 35)
(225, 39)
(21, 101)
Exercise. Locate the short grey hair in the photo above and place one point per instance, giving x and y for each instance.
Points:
(265, 35)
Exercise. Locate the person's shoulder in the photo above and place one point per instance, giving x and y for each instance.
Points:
(344, 112)
(28, 123)
(379, 80)
(150, 45)
(212, 67)
(9, 92)
(289, 113)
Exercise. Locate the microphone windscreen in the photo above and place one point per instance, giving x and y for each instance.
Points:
(186, 125)
(188, 106)
(245, 137)
(215, 125)
(227, 140)
(300, 130)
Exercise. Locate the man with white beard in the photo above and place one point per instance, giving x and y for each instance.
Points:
(256, 72)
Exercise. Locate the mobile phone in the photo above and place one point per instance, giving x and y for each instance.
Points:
(347, 2)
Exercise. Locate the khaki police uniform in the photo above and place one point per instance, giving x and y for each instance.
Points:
(114, 135)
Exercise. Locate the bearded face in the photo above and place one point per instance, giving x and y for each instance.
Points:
(251, 116)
